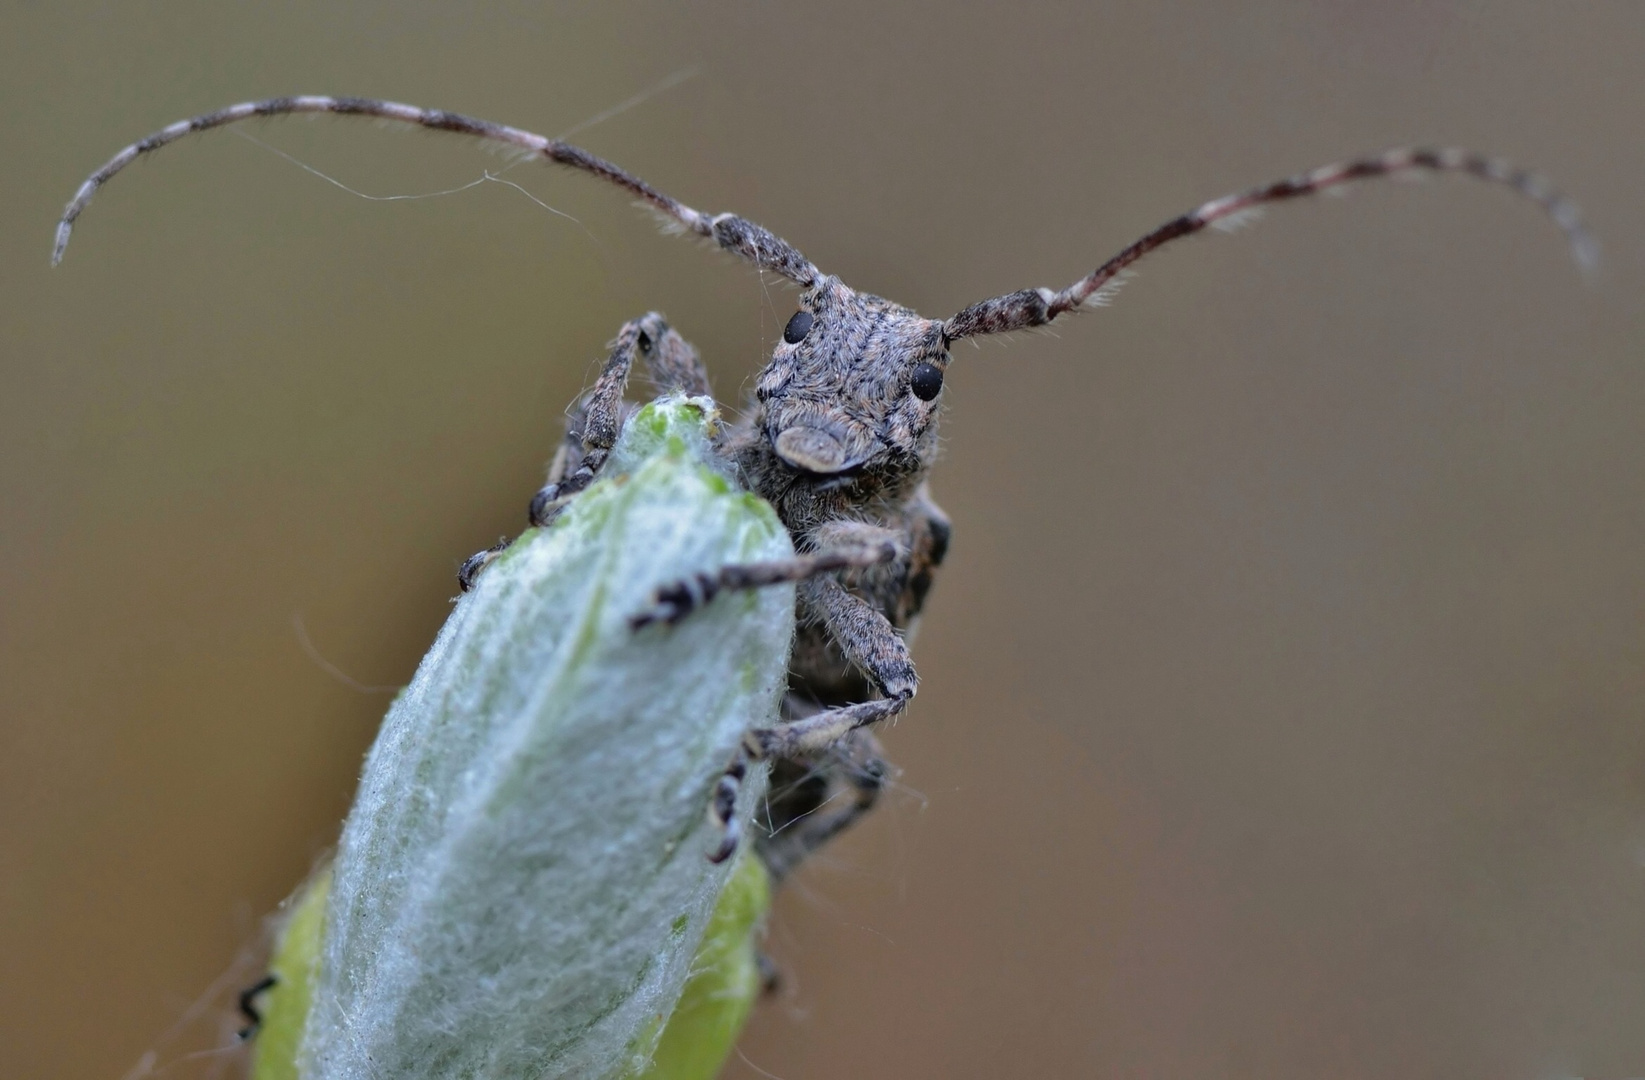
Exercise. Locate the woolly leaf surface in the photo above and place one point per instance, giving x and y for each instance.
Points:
(522, 883)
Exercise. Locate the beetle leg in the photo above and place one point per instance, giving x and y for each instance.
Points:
(858, 547)
(470, 570)
(597, 419)
(868, 640)
(248, 1004)
(670, 359)
(824, 798)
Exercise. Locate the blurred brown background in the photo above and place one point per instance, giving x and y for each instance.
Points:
(1284, 701)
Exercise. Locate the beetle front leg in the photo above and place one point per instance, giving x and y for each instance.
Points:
(842, 546)
(470, 570)
(602, 416)
(674, 365)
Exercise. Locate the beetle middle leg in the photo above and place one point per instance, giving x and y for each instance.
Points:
(868, 641)
(815, 799)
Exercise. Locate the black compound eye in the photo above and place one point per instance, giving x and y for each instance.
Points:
(798, 327)
(927, 381)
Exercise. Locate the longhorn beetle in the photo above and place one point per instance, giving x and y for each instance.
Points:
(839, 439)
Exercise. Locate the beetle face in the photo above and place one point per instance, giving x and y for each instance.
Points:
(854, 385)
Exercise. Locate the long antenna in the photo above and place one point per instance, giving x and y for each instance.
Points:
(1036, 307)
(754, 243)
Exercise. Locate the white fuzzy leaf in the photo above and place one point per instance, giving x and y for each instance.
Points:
(523, 880)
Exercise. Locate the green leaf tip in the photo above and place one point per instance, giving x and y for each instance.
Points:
(725, 980)
(530, 828)
(293, 964)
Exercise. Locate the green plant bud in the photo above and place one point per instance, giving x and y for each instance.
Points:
(522, 888)
(694, 1041)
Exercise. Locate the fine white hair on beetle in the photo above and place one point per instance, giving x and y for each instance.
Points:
(1240, 219)
(1109, 291)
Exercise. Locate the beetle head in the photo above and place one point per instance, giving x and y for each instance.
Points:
(853, 387)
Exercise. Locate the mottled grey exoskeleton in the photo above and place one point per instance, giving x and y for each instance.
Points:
(839, 440)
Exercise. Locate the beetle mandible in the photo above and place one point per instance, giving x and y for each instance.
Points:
(839, 440)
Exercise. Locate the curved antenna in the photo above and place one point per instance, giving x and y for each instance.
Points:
(1036, 307)
(756, 244)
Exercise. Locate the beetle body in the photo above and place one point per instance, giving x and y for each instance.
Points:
(839, 440)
